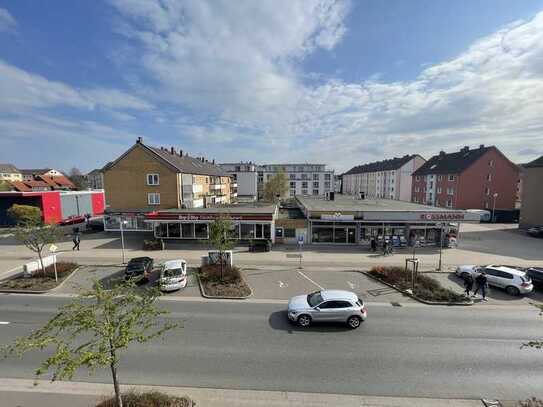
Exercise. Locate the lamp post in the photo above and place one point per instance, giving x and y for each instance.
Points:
(440, 246)
(122, 222)
(494, 206)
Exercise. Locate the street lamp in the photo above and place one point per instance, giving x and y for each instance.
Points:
(494, 206)
(440, 246)
(122, 222)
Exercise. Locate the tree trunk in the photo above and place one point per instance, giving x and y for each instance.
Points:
(41, 263)
(222, 265)
(113, 366)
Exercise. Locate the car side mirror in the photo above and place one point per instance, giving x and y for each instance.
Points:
(317, 309)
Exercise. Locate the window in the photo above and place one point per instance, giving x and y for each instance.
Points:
(452, 177)
(293, 185)
(153, 198)
(417, 178)
(417, 189)
(440, 177)
(449, 203)
(489, 177)
(278, 232)
(292, 176)
(491, 163)
(450, 191)
(438, 190)
(268, 176)
(315, 177)
(290, 232)
(316, 184)
(315, 192)
(292, 192)
(327, 184)
(487, 205)
(327, 176)
(304, 184)
(487, 191)
(152, 179)
(304, 191)
(431, 184)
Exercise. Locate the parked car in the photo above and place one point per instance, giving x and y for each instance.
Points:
(72, 220)
(260, 246)
(173, 275)
(139, 269)
(512, 280)
(536, 231)
(327, 306)
(536, 274)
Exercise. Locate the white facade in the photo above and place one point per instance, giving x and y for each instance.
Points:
(303, 179)
(385, 182)
(245, 176)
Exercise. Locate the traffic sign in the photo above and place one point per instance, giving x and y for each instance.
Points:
(53, 248)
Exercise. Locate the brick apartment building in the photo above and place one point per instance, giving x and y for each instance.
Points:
(480, 178)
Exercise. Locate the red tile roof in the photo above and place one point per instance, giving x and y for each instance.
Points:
(20, 186)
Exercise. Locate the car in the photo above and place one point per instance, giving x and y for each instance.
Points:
(536, 274)
(327, 306)
(173, 275)
(536, 231)
(72, 220)
(139, 269)
(512, 280)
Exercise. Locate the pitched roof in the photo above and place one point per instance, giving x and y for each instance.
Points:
(56, 182)
(535, 163)
(96, 171)
(32, 171)
(187, 164)
(9, 168)
(384, 165)
(452, 163)
(20, 186)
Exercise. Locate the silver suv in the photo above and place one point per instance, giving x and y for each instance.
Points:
(327, 305)
(512, 280)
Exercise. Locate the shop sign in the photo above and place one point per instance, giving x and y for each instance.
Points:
(204, 217)
(442, 216)
(337, 216)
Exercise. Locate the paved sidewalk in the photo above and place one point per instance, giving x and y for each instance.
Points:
(23, 393)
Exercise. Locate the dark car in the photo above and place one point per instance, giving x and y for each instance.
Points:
(536, 274)
(536, 231)
(139, 268)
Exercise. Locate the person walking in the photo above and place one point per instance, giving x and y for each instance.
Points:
(373, 245)
(385, 248)
(468, 284)
(482, 284)
(76, 239)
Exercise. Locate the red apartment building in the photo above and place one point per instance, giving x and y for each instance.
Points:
(482, 178)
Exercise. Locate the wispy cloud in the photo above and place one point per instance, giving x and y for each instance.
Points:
(7, 22)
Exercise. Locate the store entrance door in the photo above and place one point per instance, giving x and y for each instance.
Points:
(351, 235)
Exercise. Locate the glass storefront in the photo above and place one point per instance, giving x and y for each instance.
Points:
(333, 232)
(132, 223)
(200, 230)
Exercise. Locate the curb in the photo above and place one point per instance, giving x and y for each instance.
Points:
(15, 291)
(215, 297)
(405, 292)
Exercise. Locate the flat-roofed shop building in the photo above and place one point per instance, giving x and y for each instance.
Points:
(350, 221)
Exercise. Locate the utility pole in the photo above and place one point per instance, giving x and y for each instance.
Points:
(494, 206)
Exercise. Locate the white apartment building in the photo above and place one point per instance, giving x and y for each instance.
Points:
(303, 179)
(245, 176)
(388, 179)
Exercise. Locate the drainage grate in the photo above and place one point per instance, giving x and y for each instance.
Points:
(396, 304)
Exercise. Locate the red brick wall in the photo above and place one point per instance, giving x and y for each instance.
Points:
(473, 181)
(420, 196)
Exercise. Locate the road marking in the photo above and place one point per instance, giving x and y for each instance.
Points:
(303, 275)
(281, 284)
(352, 285)
(4, 323)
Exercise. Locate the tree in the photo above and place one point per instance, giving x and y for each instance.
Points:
(25, 214)
(78, 178)
(276, 187)
(93, 329)
(221, 237)
(36, 236)
(5, 186)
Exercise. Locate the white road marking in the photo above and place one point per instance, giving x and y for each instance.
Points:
(4, 323)
(281, 284)
(303, 275)
(352, 285)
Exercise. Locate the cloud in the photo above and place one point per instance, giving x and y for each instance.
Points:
(7, 22)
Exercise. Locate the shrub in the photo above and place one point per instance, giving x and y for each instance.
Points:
(392, 275)
(533, 402)
(148, 399)
(63, 268)
(212, 273)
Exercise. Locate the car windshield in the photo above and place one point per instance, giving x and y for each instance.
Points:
(135, 266)
(173, 272)
(314, 299)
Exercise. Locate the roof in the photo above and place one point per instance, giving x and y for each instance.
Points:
(507, 269)
(349, 203)
(384, 165)
(452, 163)
(20, 186)
(32, 171)
(187, 164)
(96, 171)
(9, 168)
(535, 163)
(170, 264)
(56, 182)
(338, 295)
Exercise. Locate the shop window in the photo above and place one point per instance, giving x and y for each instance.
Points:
(290, 232)
(200, 230)
(162, 230)
(174, 230)
(267, 231)
(247, 230)
(187, 230)
(153, 179)
(259, 231)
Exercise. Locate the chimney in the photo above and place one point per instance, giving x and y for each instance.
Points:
(481, 146)
(139, 140)
(465, 149)
(172, 150)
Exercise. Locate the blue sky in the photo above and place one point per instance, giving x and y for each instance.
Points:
(327, 81)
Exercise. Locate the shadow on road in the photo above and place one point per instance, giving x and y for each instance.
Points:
(278, 320)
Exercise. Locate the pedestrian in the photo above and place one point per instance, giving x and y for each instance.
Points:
(373, 245)
(385, 248)
(468, 284)
(76, 239)
(482, 284)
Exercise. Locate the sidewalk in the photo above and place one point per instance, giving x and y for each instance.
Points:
(23, 393)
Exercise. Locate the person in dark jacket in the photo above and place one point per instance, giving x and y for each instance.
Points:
(373, 245)
(468, 284)
(482, 284)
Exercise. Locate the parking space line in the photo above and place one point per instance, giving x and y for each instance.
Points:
(303, 275)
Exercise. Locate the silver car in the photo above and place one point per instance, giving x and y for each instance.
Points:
(512, 280)
(327, 305)
(173, 275)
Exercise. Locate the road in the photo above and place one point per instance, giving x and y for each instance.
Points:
(412, 350)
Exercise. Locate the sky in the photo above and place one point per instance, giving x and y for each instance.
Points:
(318, 81)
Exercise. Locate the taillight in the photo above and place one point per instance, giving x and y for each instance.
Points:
(525, 285)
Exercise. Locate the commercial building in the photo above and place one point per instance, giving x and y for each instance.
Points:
(531, 213)
(480, 178)
(55, 206)
(303, 179)
(244, 175)
(145, 179)
(348, 220)
(8, 172)
(388, 179)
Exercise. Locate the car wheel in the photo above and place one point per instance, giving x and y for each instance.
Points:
(512, 290)
(354, 322)
(304, 320)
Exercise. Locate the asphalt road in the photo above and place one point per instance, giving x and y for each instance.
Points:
(399, 351)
